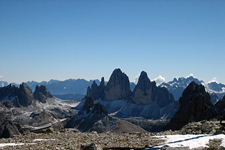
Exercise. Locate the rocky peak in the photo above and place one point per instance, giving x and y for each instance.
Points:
(41, 93)
(96, 91)
(102, 83)
(8, 91)
(118, 86)
(25, 95)
(193, 90)
(193, 102)
(145, 90)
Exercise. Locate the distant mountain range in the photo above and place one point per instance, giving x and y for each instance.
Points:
(67, 90)
(77, 88)
(177, 86)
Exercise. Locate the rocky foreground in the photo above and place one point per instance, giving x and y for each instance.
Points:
(74, 139)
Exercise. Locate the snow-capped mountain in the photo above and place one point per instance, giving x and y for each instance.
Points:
(177, 86)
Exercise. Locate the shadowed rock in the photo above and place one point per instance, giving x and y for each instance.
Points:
(88, 104)
(96, 91)
(193, 102)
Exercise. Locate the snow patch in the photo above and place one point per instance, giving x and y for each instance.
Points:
(189, 140)
(136, 79)
(214, 79)
(223, 88)
(38, 140)
(10, 144)
(159, 80)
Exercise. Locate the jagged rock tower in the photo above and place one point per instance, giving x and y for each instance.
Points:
(118, 87)
(96, 91)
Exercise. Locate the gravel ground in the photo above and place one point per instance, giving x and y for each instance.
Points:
(73, 139)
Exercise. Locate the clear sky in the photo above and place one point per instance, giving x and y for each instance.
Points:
(62, 39)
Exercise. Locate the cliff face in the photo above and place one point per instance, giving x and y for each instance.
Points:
(118, 87)
(145, 90)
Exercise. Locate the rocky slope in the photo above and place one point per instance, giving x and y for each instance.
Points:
(94, 117)
(146, 100)
(21, 109)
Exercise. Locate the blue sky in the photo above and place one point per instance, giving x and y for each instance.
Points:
(46, 39)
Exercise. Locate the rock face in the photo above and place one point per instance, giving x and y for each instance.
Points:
(96, 91)
(216, 111)
(193, 102)
(41, 93)
(118, 86)
(146, 92)
(25, 95)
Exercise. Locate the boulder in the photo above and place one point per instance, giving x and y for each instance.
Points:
(91, 146)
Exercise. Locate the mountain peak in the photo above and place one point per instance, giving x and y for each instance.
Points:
(118, 86)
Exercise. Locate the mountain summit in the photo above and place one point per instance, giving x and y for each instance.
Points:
(118, 86)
